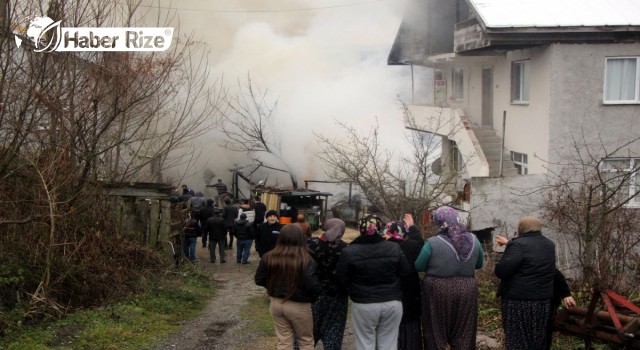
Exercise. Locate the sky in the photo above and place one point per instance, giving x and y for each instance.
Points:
(324, 60)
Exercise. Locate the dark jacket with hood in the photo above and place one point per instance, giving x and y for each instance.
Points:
(243, 229)
(198, 202)
(527, 268)
(307, 289)
(371, 268)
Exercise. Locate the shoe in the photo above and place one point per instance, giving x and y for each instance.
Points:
(223, 261)
(213, 262)
(237, 262)
(246, 262)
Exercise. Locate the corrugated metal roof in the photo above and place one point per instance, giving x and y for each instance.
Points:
(557, 13)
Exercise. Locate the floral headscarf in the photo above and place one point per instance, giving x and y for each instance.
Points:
(395, 230)
(455, 231)
(370, 225)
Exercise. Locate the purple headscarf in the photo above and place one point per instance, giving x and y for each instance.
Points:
(455, 232)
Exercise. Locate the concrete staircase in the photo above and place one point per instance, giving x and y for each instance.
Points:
(491, 143)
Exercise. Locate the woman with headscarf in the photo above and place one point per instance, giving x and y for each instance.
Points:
(404, 233)
(449, 288)
(330, 309)
(527, 270)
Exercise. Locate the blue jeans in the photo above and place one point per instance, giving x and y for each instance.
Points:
(243, 250)
(189, 248)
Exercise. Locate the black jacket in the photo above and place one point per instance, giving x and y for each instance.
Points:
(371, 268)
(267, 236)
(191, 229)
(411, 291)
(205, 214)
(307, 290)
(260, 209)
(215, 228)
(527, 268)
(229, 214)
(243, 230)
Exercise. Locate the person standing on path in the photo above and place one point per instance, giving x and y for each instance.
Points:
(243, 230)
(267, 233)
(371, 268)
(191, 232)
(221, 189)
(304, 225)
(205, 214)
(330, 309)
(260, 209)
(289, 274)
(216, 230)
(449, 287)
(527, 271)
(229, 214)
(410, 333)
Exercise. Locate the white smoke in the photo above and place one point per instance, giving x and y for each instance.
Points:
(321, 65)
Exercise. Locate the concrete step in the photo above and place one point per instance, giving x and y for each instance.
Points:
(484, 132)
(508, 168)
(491, 145)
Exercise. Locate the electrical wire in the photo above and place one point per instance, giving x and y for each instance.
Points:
(263, 11)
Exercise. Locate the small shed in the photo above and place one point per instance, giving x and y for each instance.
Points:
(288, 204)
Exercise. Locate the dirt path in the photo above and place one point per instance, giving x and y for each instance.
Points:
(220, 327)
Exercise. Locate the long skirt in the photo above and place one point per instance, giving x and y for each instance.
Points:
(410, 335)
(449, 312)
(525, 323)
(329, 319)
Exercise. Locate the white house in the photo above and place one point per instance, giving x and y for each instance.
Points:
(520, 80)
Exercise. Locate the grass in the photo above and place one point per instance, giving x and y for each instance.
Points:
(135, 323)
(256, 311)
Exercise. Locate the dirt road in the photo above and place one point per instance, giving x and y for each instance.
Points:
(220, 327)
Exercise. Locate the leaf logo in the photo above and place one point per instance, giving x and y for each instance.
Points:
(46, 34)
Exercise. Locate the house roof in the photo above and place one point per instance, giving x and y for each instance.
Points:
(487, 27)
(557, 13)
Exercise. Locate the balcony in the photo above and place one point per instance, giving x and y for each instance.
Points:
(451, 124)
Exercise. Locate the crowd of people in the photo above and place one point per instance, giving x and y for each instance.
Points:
(310, 279)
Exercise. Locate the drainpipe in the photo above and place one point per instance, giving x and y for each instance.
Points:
(504, 124)
(413, 94)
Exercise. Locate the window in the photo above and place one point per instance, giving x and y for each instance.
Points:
(520, 81)
(438, 74)
(621, 80)
(521, 162)
(458, 83)
(623, 174)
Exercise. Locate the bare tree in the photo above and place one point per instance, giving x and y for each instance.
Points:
(396, 182)
(249, 126)
(71, 121)
(590, 198)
